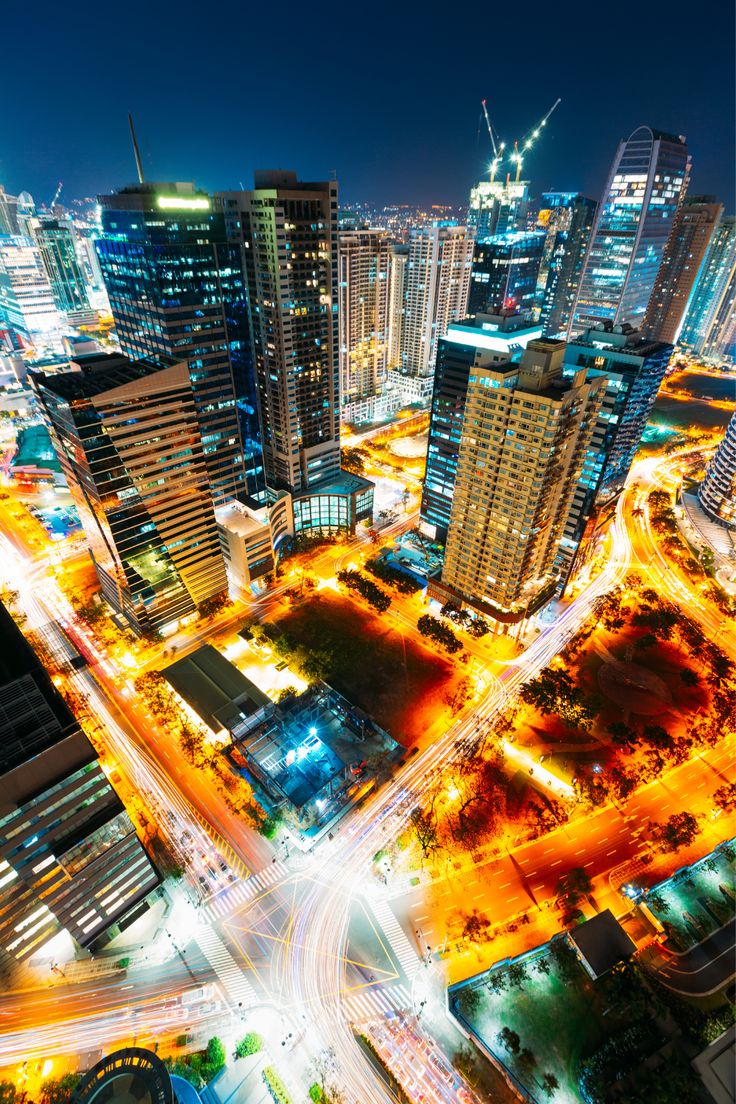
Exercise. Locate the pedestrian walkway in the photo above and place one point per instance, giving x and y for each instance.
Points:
(236, 895)
(405, 954)
(371, 1003)
(237, 988)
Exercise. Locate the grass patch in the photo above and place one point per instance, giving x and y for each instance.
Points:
(401, 685)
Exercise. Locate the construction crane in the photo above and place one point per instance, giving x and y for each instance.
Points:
(498, 148)
(57, 193)
(520, 147)
(529, 139)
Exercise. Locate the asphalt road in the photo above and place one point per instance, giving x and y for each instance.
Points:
(702, 970)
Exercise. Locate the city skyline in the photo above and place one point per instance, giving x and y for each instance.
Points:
(430, 141)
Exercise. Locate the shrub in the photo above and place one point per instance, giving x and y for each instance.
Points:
(249, 1044)
(276, 1086)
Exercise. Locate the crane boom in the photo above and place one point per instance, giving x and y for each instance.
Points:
(57, 193)
(490, 130)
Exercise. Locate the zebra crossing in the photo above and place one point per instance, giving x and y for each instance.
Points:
(372, 1003)
(227, 900)
(236, 985)
(405, 954)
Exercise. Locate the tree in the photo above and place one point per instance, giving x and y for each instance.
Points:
(475, 925)
(9, 1094)
(725, 797)
(510, 1040)
(550, 1084)
(439, 632)
(249, 1044)
(468, 1002)
(58, 1090)
(214, 1058)
(688, 676)
(657, 736)
(622, 734)
(424, 823)
(574, 885)
(517, 975)
(679, 830)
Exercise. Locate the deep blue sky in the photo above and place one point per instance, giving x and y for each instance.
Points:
(385, 93)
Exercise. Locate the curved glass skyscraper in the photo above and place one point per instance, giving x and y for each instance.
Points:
(647, 182)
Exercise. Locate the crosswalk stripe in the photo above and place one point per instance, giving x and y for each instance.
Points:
(234, 981)
(406, 956)
(242, 891)
(377, 1003)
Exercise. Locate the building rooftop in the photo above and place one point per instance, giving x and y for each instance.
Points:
(602, 943)
(344, 483)
(34, 449)
(242, 520)
(621, 336)
(215, 689)
(96, 373)
(33, 714)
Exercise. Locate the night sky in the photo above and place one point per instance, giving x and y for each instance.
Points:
(386, 94)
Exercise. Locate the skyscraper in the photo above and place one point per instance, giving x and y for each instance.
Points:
(524, 437)
(69, 854)
(487, 339)
(505, 272)
(288, 232)
(176, 289)
(56, 240)
(567, 220)
(397, 291)
(128, 437)
(709, 327)
(436, 293)
(26, 299)
(631, 367)
(646, 184)
(692, 231)
(8, 214)
(497, 206)
(717, 492)
(364, 258)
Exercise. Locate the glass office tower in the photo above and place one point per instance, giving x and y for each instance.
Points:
(709, 327)
(688, 243)
(647, 182)
(567, 220)
(176, 288)
(505, 272)
(56, 241)
(632, 367)
(129, 442)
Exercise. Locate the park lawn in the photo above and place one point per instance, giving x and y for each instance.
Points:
(398, 682)
(695, 891)
(555, 1015)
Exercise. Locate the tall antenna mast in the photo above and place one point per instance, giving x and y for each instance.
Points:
(136, 151)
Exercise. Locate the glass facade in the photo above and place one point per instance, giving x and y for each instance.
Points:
(709, 327)
(647, 182)
(176, 288)
(128, 440)
(58, 251)
(567, 220)
(505, 272)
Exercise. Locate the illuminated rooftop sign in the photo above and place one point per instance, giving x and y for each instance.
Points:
(183, 203)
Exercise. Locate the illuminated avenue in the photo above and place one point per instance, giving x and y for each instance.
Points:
(367, 651)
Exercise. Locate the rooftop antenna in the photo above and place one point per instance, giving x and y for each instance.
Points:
(136, 151)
